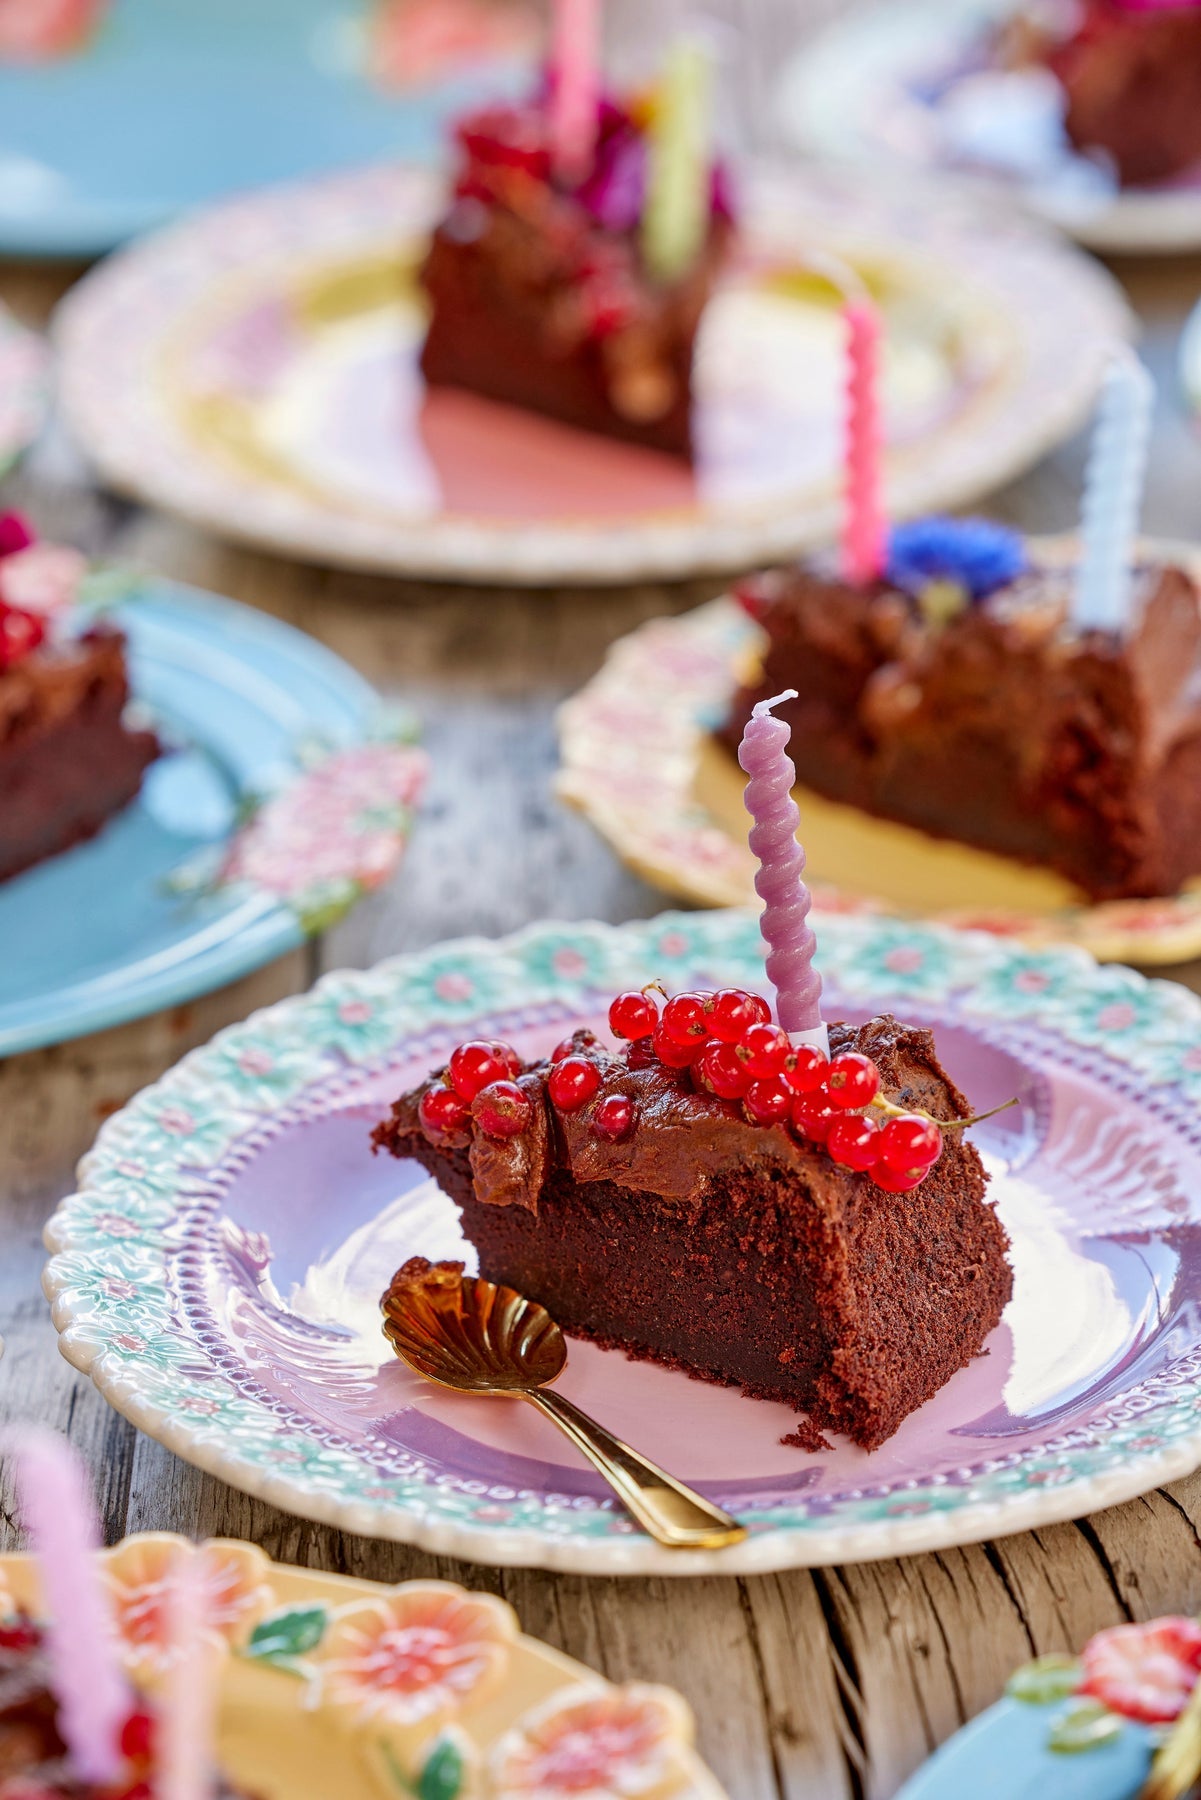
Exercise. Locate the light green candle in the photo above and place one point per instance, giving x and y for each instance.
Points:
(675, 220)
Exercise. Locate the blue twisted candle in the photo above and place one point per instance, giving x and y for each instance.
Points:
(1113, 496)
(763, 754)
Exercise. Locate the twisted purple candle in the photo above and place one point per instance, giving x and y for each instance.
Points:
(763, 753)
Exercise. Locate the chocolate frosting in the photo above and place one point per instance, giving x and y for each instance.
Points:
(682, 1140)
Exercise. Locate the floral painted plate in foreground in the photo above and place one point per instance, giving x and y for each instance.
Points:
(284, 795)
(336, 1686)
(219, 1273)
(638, 759)
(1078, 1728)
(278, 399)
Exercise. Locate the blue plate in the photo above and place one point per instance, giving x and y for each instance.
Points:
(177, 101)
(1005, 1755)
(138, 918)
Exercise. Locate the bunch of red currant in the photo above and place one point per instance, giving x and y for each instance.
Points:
(731, 1048)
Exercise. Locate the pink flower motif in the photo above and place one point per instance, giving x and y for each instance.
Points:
(416, 41)
(453, 987)
(417, 1655)
(128, 1166)
(117, 1288)
(1116, 1017)
(199, 1406)
(673, 943)
(129, 1340)
(237, 1582)
(43, 579)
(1192, 1058)
(177, 1120)
(253, 1061)
(1032, 981)
(31, 30)
(354, 1012)
(1144, 1672)
(593, 1743)
(568, 963)
(902, 961)
(116, 1225)
(324, 829)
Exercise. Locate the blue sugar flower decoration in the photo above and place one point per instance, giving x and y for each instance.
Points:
(974, 554)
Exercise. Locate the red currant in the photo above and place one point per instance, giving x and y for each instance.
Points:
(137, 1790)
(731, 1012)
(671, 1052)
(767, 1102)
(19, 1634)
(573, 1082)
(633, 1016)
(854, 1141)
(441, 1111)
(805, 1069)
(763, 1050)
(720, 1069)
(475, 1066)
(894, 1181)
(20, 634)
(614, 1118)
(508, 1056)
(852, 1080)
(684, 1019)
(137, 1736)
(564, 1048)
(813, 1115)
(16, 533)
(761, 1009)
(502, 1109)
(910, 1142)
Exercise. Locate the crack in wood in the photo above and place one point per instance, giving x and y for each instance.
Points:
(757, 1657)
(996, 1563)
(1088, 1532)
(852, 1738)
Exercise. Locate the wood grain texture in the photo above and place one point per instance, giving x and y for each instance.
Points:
(822, 1686)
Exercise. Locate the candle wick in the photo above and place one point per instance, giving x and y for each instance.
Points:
(763, 707)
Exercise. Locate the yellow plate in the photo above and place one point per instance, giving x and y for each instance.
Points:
(638, 760)
(287, 1731)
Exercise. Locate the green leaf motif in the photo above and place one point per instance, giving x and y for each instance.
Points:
(1083, 1727)
(286, 1637)
(442, 1776)
(1046, 1678)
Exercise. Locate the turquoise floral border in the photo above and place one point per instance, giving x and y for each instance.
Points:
(113, 1278)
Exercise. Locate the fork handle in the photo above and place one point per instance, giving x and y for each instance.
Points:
(673, 1514)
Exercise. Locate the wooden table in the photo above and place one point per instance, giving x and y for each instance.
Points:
(825, 1684)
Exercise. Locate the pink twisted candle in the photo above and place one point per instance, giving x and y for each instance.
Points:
(864, 539)
(575, 100)
(58, 1513)
(763, 754)
(186, 1721)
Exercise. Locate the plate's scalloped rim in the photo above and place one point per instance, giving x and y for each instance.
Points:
(109, 328)
(1178, 1014)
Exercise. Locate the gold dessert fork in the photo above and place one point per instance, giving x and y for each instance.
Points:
(468, 1334)
(1177, 1766)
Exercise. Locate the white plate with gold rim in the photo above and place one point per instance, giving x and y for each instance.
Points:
(255, 369)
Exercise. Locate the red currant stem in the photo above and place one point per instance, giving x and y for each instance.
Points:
(880, 1104)
(654, 987)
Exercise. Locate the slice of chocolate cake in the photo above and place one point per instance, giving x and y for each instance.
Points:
(540, 294)
(957, 695)
(726, 1203)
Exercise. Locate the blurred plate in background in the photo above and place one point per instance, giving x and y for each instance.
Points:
(255, 369)
(24, 385)
(869, 90)
(282, 796)
(157, 105)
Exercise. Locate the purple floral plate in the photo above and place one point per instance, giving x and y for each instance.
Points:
(219, 1273)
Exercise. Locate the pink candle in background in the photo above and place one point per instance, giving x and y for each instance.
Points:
(575, 58)
(185, 1726)
(864, 549)
(59, 1516)
(763, 754)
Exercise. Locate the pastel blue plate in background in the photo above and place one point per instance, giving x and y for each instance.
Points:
(174, 102)
(151, 912)
(1005, 1755)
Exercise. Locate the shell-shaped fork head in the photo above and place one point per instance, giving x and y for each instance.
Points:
(469, 1334)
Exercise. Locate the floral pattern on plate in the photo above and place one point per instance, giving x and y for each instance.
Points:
(155, 1177)
(598, 1744)
(237, 1588)
(631, 744)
